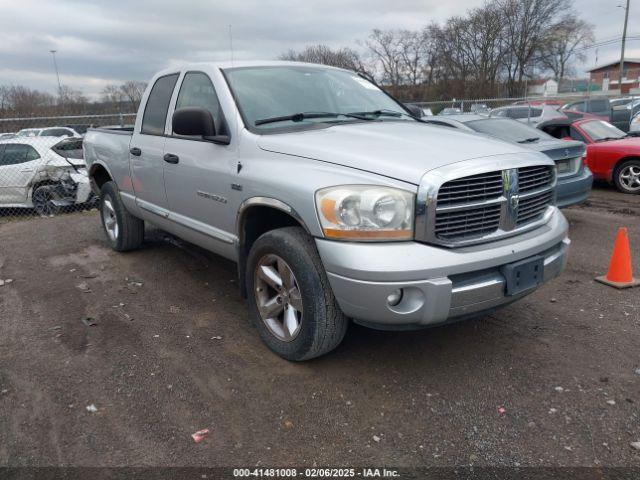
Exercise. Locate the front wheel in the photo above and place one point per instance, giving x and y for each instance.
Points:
(290, 298)
(124, 231)
(627, 176)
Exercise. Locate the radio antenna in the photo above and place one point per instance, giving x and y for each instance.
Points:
(231, 44)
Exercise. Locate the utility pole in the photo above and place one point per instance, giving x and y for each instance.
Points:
(55, 65)
(624, 39)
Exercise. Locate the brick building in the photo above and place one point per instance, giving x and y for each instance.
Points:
(608, 75)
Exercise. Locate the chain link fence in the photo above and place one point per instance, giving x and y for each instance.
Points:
(620, 110)
(42, 169)
(43, 173)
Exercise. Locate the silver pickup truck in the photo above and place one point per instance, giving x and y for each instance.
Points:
(334, 201)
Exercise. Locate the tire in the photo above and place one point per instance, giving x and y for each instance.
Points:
(124, 232)
(626, 176)
(321, 325)
(42, 199)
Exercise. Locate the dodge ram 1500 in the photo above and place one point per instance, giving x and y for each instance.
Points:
(334, 201)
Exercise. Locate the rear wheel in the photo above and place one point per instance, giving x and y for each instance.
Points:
(43, 201)
(124, 231)
(627, 176)
(290, 298)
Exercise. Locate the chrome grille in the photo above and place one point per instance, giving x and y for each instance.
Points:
(534, 178)
(468, 223)
(532, 208)
(475, 188)
(483, 206)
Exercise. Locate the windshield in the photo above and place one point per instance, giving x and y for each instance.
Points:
(508, 130)
(273, 93)
(600, 130)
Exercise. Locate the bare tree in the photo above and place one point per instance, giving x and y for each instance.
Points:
(385, 50)
(69, 96)
(133, 91)
(341, 58)
(527, 24)
(563, 44)
(112, 94)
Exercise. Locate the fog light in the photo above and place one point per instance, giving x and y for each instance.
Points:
(394, 297)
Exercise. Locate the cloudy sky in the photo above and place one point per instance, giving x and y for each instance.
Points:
(109, 41)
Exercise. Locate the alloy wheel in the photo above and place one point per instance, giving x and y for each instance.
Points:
(110, 220)
(630, 177)
(278, 297)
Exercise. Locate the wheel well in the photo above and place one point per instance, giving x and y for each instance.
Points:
(256, 221)
(99, 176)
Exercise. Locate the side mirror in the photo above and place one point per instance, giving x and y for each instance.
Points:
(569, 139)
(193, 121)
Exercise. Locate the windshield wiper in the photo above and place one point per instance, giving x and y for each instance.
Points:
(382, 113)
(606, 139)
(298, 117)
(529, 140)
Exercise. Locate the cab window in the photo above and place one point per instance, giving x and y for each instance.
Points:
(197, 91)
(155, 111)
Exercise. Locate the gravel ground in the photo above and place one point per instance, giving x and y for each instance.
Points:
(547, 381)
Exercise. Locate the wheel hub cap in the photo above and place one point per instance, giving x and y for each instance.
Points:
(630, 177)
(109, 218)
(278, 297)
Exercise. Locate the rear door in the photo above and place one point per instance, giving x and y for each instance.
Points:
(198, 179)
(147, 148)
(18, 166)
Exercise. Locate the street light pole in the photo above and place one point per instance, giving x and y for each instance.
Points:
(55, 65)
(624, 39)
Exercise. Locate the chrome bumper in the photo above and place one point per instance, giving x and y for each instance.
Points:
(438, 284)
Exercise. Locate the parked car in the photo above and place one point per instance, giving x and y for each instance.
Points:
(597, 107)
(622, 115)
(80, 128)
(527, 114)
(450, 111)
(45, 174)
(620, 102)
(334, 201)
(29, 132)
(479, 108)
(59, 132)
(574, 178)
(4, 136)
(612, 155)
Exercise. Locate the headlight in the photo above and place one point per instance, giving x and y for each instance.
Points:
(365, 213)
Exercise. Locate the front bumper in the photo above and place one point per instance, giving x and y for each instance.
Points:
(439, 284)
(574, 190)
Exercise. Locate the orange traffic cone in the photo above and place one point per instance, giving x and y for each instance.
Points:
(620, 274)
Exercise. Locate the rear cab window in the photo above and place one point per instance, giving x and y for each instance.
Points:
(155, 111)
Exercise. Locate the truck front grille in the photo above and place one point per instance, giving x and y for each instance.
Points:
(534, 178)
(467, 223)
(475, 188)
(489, 205)
(532, 208)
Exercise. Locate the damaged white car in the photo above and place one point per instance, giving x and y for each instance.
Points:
(43, 173)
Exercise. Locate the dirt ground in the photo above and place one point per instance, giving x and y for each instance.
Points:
(172, 352)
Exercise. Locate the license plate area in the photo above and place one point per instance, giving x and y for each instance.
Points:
(523, 275)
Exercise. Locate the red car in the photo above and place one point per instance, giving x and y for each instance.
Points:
(612, 155)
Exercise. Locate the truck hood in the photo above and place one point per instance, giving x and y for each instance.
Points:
(400, 150)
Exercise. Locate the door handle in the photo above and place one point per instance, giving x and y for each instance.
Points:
(27, 170)
(135, 151)
(171, 158)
